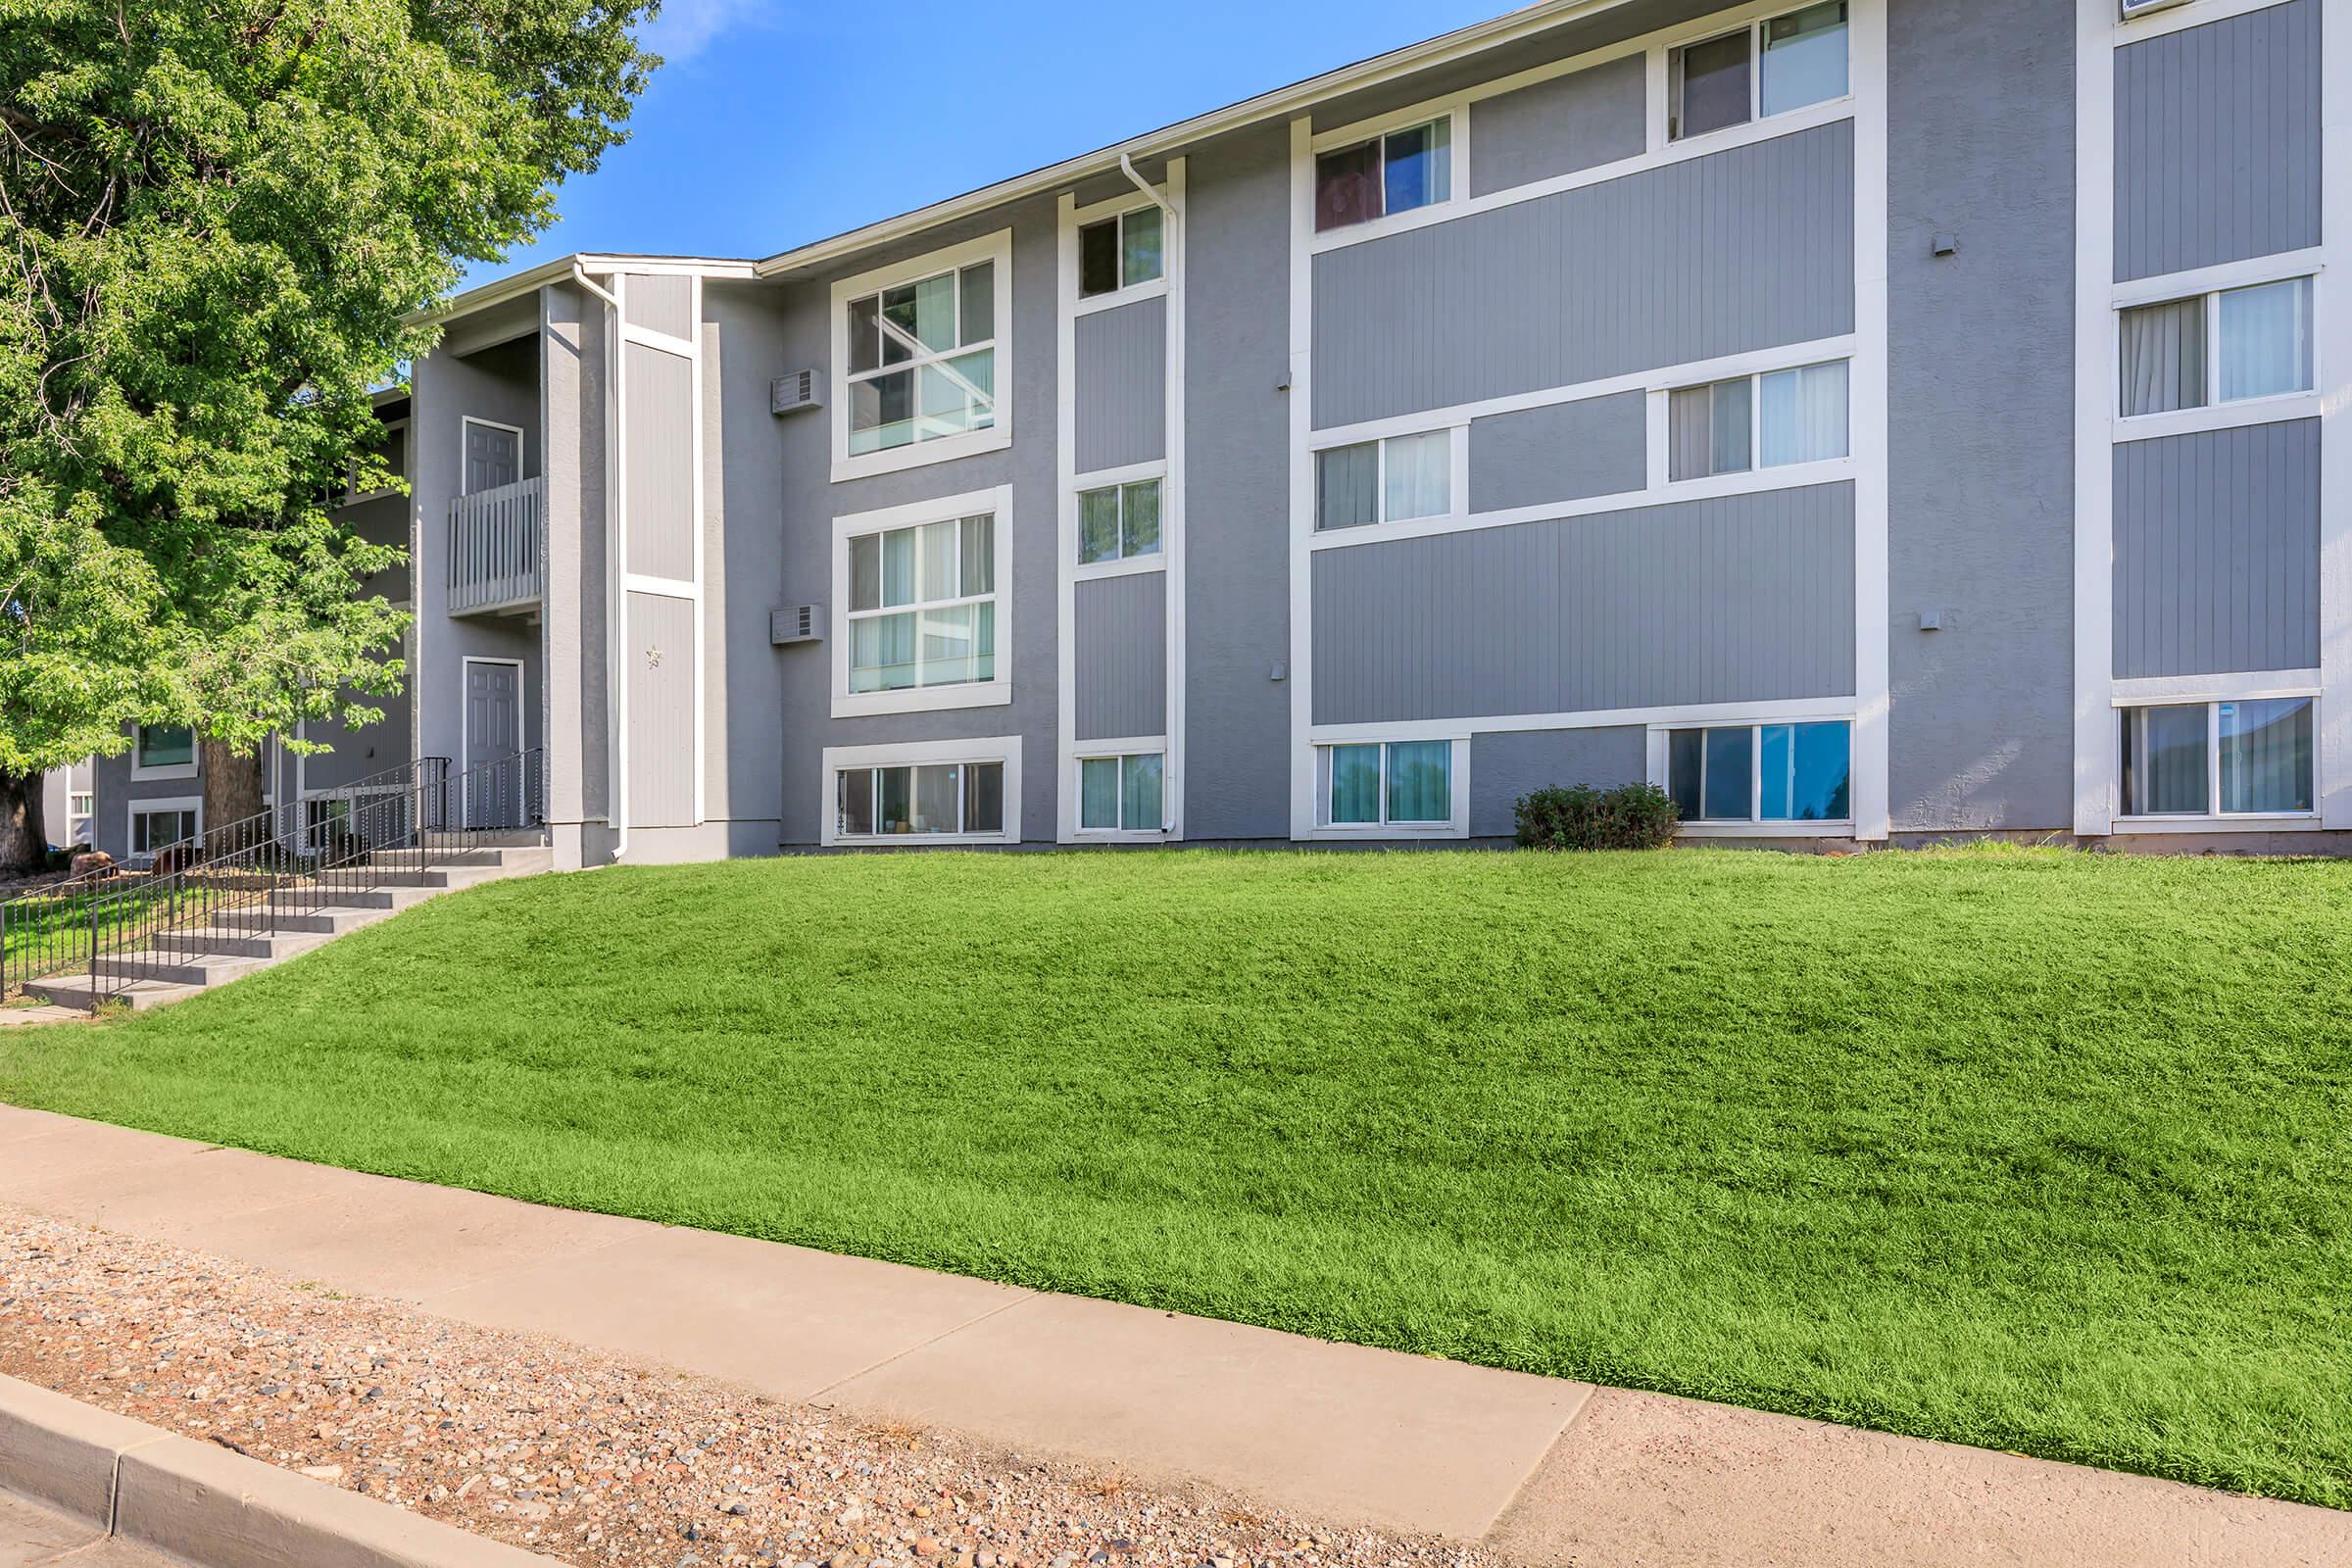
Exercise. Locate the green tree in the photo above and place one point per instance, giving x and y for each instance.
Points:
(217, 217)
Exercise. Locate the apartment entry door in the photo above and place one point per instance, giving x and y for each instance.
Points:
(493, 456)
(492, 785)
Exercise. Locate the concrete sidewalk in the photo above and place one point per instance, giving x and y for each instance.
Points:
(1542, 1470)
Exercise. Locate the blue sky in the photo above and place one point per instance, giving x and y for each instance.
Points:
(778, 122)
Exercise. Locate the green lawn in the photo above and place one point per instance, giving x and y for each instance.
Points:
(2024, 1150)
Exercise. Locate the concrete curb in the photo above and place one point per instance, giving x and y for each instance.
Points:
(206, 1505)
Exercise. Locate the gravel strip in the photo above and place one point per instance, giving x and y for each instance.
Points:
(577, 1453)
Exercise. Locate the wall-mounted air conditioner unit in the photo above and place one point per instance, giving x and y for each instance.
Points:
(2140, 8)
(796, 624)
(801, 389)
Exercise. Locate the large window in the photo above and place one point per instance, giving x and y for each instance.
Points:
(1391, 784)
(1119, 522)
(165, 746)
(923, 606)
(2234, 759)
(2231, 346)
(158, 827)
(1765, 69)
(937, 798)
(922, 359)
(1758, 422)
(1395, 173)
(1121, 251)
(1120, 794)
(1762, 772)
(1404, 477)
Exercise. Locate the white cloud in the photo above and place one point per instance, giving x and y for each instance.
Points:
(685, 27)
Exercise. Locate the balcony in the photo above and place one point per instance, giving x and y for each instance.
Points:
(497, 549)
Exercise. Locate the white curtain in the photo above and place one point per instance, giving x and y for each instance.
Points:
(1420, 472)
(2164, 358)
(1803, 414)
(2265, 340)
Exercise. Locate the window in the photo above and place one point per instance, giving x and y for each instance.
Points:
(1120, 794)
(1391, 784)
(2227, 347)
(1762, 772)
(157, 828)
(922, 360)
(938, 798)
(1759, 422)
(1119, 522)
(1396, 172)
(1385, 481)
(1715, 84)
(2234, 758)
(1121, 251)
(923, 606)
(165, 746)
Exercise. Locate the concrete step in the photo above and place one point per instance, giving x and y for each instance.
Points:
(73, 991)
(217, 942)
(332, 922)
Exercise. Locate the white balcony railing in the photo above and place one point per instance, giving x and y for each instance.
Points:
(497, 549)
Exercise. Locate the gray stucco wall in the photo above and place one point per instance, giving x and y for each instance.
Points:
(1567, 452)
(2216, 148)
(1122, 385)
(1981, 413)
(1505, 767)
(1237, 509)
(1120, 629)
(1741, 599)
(2216, 552)
(1738, 250)
(1571, 122)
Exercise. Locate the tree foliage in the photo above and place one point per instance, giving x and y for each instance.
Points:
(217, 218)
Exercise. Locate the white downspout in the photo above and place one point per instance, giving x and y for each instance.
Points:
(616, 522)
(1160, 198)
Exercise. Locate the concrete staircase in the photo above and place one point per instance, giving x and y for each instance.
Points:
(177, 964)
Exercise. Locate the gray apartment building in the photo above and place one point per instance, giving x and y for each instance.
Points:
(1872, 421)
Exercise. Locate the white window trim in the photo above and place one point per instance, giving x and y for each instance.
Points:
(134, 810)
(1711, 28)
(1004, 749)
(1707, 485)
(1457, 483)
(2216, 821)
(1454, 114)
(1120, 207)
(1085, 752)
(1756, 827)
(2213, 413)
(351, 498)
(996, 248)
(1457, 826)
(991, 693)
(521, 452)
(142, 773)
(1124, 565)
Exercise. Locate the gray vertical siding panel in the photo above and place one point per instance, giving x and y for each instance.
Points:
(660, 463)
(1121, 633)
(660, 710)
(2216, 552)
(662, 303)
(1571, 122)
(1738, 599)
(1745, 249)
(1122, 386)
(2217, 142)
(1567, 452)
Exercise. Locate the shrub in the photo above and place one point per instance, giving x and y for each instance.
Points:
(1632, 817)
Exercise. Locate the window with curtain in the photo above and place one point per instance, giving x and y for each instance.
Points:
(1119, 522)
(1394, 480)
(166, 746)
(1395, 172)
(937, 798)
(1389, 784)
(923, 360)
(2233, 757)
(1759, 422)
(1768, 67)
(1120, 794)
(2265, 754)
(2226, 347)
(2167, 762)
(923, 606)
(1121, 251)
(1762, 772)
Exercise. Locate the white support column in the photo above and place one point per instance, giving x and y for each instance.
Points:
(2332, 323)
(1871, 439)
(2096, 760)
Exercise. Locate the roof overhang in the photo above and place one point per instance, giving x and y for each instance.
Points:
(499, 291)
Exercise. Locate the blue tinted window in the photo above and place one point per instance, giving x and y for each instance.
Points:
(1731, 765)
(1419, 169)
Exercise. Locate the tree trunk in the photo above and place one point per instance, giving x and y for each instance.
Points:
(23, 840)
(232, 797)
